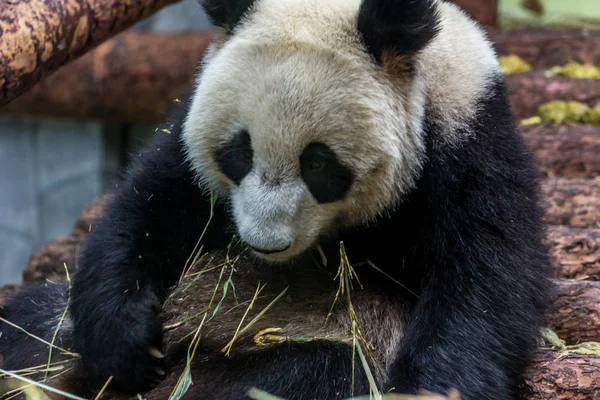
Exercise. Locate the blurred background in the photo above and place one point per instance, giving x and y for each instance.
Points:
(66, 142)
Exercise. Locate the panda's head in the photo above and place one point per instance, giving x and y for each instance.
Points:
(308, 114)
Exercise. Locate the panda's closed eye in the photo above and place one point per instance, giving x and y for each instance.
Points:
(326, 177)
(316, 165)
(235, 159)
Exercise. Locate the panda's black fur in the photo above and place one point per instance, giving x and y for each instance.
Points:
(467, 239)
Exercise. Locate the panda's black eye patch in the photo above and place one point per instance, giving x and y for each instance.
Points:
(235, 159)
(327, 179)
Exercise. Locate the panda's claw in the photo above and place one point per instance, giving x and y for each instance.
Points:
(156, 353)
(140, 344)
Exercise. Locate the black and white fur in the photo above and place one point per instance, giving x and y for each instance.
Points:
(383, 124)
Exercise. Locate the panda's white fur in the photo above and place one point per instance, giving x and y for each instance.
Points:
(296, 72)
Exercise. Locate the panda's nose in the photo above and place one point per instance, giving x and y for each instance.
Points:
(269, 251)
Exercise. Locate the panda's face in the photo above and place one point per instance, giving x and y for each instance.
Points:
(301, 131)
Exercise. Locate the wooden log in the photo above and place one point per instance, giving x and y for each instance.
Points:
(486, 12)
(557, 376)
(39, 36)
(51, 259)
(565, 150)
(572, 202)
(132, 78)
(575, 253)
(575, 311)
(6, 292)
(546, 48)
(530, 90)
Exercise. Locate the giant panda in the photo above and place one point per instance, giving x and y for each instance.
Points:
(381, 127)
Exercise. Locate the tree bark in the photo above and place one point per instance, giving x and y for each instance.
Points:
(39, 36)
(556, 376)
(546, 48)
(575, 311)
(572, 202)
(486, 12)
(50, 260)
(571, 151)
(530, 90)
(575, 253)
(6, 293)
(134, 77)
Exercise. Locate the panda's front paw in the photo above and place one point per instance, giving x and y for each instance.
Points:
(125, 343)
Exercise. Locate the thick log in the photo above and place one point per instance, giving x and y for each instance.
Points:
(39, 36)
(6, 292)
(575, 311)
(575, 253)
(486, 12)
(134, 77)
(530, 90)
(572, 202)
(546, 48)
(565, 150)
(50, 260)
(557, 376)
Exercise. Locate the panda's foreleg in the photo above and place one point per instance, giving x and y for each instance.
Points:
(473, 329)
(132, 257)
(475, 324)
(483, 269)
(459, 339)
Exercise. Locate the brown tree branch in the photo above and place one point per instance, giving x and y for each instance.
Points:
(132, 78)
(39, 36)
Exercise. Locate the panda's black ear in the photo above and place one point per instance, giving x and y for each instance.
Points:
(399, 27)
(226, 13)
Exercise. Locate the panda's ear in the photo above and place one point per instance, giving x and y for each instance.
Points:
(397, 27)
(226, 13)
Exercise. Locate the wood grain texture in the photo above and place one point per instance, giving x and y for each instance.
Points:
(132, 78)
(575, 311)
(39, 36)
(556, 376)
